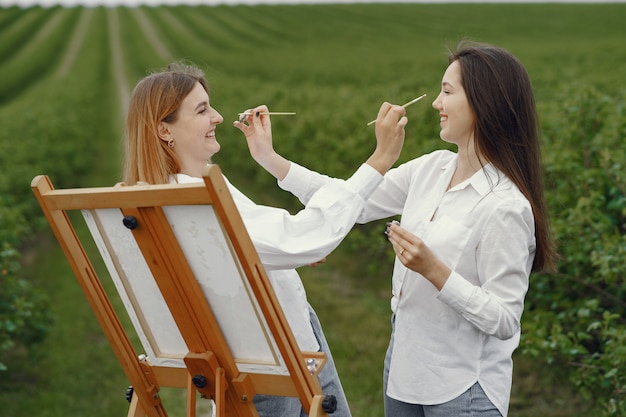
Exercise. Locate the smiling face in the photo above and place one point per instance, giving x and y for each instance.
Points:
(193, 132)
(456, 116)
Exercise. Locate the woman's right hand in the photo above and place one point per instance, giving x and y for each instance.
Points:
(257, 128)
(390, 133)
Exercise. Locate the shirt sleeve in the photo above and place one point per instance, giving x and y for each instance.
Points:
(386, 199)
(303, 183)
(285, 241)
(504, 258)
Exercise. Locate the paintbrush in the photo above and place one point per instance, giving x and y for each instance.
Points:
(242, 116)
(415, 100)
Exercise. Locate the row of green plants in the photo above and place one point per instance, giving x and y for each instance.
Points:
(31, 48)
(51, 125)
(576, 318)
(333, 65)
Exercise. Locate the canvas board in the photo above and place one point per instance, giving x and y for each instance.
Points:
(211, 257)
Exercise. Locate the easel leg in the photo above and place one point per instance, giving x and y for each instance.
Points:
(135, 409)
(316, 407)
(191, 399)
(220, 388)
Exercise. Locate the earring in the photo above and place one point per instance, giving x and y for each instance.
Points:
(170, 143)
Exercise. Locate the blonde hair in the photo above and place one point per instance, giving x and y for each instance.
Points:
(156, 98)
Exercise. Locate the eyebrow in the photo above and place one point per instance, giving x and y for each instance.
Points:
(201, 104)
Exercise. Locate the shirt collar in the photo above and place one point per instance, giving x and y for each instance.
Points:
(483, 181)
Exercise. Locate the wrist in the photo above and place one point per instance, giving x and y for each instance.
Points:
(382, 163)
(275, 164)
(439, 275)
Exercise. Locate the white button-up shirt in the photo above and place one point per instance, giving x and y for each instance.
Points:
(285, 241)
(483, 229)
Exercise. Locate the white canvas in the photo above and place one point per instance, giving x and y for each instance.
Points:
(212, 259)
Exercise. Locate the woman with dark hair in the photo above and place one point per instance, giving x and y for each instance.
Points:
(474, 226)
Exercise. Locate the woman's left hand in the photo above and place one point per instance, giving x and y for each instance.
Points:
(416, 255)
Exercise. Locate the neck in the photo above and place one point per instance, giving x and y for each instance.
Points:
(193, 170)
(468, 163)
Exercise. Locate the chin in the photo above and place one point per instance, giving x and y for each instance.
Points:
(214, 149)
(446, 138)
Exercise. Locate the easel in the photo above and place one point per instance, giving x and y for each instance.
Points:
(195, 290)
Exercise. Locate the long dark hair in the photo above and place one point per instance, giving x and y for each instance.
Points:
(506, 129)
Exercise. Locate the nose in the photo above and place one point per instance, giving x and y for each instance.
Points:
(436, 103)
(217, 117)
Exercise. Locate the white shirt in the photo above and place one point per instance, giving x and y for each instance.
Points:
(483, 229)
(284, 241)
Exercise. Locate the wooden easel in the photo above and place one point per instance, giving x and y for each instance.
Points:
(162, 253)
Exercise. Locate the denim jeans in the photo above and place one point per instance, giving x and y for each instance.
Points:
(273, 406)
(472, 403)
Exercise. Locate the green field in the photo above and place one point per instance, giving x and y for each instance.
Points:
(65, 80)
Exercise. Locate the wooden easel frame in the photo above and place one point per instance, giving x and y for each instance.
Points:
(209, 365)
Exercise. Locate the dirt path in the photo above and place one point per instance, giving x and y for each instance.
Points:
(30, 49)
(117, 60)
(117, 56)
(77, 40)
(175, 23)
(152, 35)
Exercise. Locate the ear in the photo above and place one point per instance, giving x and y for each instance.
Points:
(163, 131)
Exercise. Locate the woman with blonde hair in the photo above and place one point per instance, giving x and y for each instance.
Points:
(170, 137)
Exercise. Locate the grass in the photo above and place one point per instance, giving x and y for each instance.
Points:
(73, 372)
(76, 368)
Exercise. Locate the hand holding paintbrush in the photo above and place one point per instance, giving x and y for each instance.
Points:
(258, 133)
(415, 100)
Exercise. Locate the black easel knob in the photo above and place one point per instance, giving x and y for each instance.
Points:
(329, 404)
(130, 222)
(129, 393)
(199, 381)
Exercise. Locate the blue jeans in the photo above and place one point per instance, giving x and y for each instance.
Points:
(273, 406)
(472, 403)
